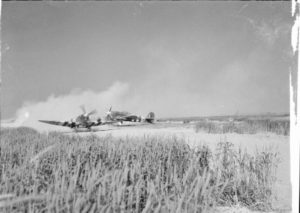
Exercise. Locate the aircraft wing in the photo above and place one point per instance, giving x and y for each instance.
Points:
(59, 123)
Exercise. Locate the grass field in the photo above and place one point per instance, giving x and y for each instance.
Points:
(246, 126)
(59, 173)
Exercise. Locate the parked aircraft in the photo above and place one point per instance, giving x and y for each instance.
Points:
(121, 116)
(81, 121)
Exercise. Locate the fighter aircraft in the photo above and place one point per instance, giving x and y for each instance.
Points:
(121, 116)
(81, 121)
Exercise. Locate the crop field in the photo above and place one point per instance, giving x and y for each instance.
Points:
(56, 172)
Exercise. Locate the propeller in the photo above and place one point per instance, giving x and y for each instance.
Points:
(109, 111)
(85, 113)
(108, 114)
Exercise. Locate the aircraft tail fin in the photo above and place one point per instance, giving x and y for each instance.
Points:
(150, 117)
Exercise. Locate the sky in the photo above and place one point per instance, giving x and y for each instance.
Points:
(181, 58)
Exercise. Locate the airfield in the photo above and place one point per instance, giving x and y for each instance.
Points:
(179, 129)
(186, 132)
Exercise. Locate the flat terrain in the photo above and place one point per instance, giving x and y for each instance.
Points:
(176, 130)
(186, 132)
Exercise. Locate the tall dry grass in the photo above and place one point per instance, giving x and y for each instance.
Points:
(59, 173)
(280, 127)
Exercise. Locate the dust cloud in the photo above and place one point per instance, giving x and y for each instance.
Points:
(65, 107)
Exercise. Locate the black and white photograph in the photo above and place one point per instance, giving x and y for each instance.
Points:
(147, 106)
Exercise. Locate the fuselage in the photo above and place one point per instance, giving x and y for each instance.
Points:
(119, 113)
(83, 121)
(123, 116)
